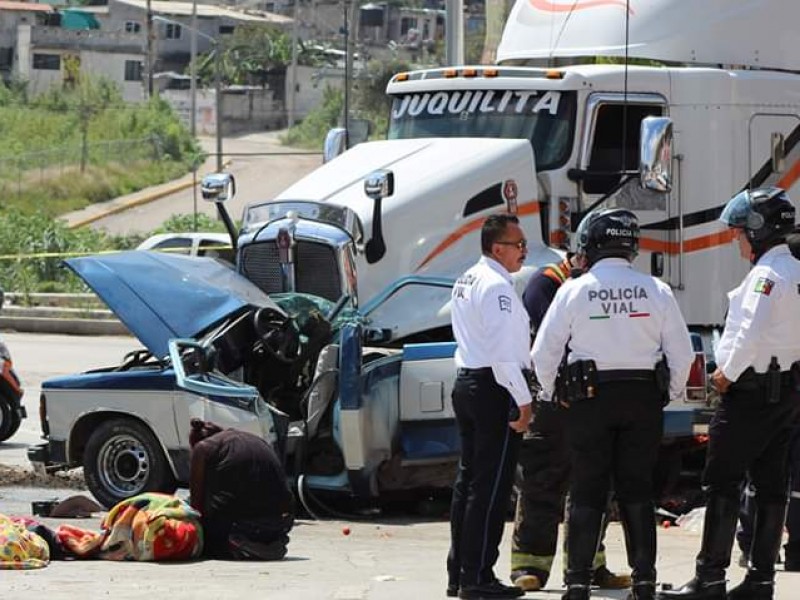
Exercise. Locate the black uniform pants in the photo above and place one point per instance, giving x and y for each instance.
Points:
(748, 436)
(614, 440)
(542, 483)
(615, 436)
(744, 534)
(793, 516)
(482, 490)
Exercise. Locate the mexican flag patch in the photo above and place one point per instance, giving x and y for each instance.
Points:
(764, 286)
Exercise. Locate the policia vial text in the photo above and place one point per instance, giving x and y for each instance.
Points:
(618, 301)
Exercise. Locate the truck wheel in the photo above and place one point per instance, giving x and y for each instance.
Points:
(122, 459)
(9, 419)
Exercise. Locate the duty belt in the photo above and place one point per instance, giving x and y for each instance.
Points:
(484, 371)
(625, 375)
(480, 372)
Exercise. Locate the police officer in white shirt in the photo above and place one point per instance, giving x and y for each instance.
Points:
(619, 324)
(758, 376)
(492, 404)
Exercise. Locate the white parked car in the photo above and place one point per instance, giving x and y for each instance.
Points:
(206, 243)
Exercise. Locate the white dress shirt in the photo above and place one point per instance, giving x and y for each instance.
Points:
(763, 316)
(491, 326)
(617, 317)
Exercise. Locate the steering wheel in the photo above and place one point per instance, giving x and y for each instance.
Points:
(277, 335)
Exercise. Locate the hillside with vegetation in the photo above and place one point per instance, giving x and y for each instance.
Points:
(66, 149)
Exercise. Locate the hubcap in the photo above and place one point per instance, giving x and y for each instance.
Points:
(123, 465)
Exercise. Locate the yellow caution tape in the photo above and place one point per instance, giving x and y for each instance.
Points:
(99, 252)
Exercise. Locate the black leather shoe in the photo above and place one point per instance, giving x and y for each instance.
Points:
(753, 590)
(695, 590)
(489, 591)
(452, 590)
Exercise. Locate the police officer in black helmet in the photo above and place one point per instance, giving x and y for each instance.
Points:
(758, 376)
(620, 324)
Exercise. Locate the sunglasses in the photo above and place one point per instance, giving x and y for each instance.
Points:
(520, 245)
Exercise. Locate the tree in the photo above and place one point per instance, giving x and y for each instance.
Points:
(248, 56)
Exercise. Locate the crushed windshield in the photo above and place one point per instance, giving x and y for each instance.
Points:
(545, 118)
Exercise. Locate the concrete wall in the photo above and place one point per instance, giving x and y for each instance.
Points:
(243, 109)
(311, 84)
(113, 67)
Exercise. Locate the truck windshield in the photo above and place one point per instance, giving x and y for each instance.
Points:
(545, 118)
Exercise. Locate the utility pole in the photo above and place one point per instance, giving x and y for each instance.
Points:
(150, 57)
(293, 76)
(454, 32)
(193, 71)
(193, 105)
(218, 98)
(347, 65)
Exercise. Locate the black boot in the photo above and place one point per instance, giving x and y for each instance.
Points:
(752, 590)
(583, 538)
(643, 591)
(719, 529)
(767, 535)
(639, 525)
(577, 592)
(791, 556)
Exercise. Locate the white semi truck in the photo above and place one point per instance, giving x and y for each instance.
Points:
(547, 135)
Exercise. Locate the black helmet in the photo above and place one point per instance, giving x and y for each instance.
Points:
(608, 232)
(765, 214)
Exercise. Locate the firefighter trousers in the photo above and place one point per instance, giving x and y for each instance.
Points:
(542, 482)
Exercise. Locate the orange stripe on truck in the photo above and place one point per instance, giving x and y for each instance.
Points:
(529, 208)
(790, 177)
(703, 242)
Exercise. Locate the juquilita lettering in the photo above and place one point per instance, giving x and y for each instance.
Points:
(476, 101)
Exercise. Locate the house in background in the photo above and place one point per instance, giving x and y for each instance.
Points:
(45, 45)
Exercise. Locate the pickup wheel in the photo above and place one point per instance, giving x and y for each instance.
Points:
(122, 459)
(9, 419)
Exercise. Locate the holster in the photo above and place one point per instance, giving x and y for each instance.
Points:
(772, 391)
(662, 380)
(795, 370)
(767, 387)
(581, 380)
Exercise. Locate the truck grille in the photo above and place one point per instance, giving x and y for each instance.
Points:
(316, 268)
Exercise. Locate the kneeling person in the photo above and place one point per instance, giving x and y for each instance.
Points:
(239, 486)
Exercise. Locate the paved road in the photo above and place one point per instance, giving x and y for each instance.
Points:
(257, 178)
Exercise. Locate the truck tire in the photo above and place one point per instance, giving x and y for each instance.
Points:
(122, 459)
(9, 419)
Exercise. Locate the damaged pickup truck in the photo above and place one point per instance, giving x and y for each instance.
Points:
(291, 367)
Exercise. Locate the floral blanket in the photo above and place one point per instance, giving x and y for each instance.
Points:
(147, 527)
(20, 548)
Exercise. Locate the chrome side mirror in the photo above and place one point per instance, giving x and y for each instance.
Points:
(335, 143)
(655, 154)
(218, 187)
(379, 184)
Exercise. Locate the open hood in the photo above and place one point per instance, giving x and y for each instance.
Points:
(161, 296)
(753, 33)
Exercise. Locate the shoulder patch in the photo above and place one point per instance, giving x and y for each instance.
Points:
(764, 286)
(505, 303)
